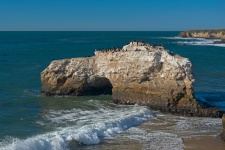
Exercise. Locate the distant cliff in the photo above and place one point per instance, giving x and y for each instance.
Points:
(138, 73)
(219, 34)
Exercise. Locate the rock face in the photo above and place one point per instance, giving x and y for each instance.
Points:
(139, 73)
(204, 33)
(215, 34)
(223, 133)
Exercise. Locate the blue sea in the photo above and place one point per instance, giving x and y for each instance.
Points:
(29, 120)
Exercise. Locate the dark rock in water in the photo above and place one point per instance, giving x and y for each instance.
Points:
(139, 73)
(222, 135)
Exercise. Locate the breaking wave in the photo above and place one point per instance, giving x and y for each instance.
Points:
(196, 41)
(88, 134)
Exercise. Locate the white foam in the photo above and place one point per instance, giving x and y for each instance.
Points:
(156, 139)
(177, 38)
(89, 134)
(220, 45)
(197, 126)
(196, 41)
(167, 131)
(81, 117)
(200, 42)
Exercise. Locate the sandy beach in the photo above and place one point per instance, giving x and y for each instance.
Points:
(204, 143)
(196, 133)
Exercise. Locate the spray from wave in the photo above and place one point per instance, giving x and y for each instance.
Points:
(89, 134)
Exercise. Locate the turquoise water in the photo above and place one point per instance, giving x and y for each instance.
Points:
(25, 113)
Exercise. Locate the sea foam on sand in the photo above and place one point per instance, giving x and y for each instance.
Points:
(87, 134)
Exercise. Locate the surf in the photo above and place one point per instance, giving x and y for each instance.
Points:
(88, 134)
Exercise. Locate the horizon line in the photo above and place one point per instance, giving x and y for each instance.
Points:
(90, 31)
(106, 30)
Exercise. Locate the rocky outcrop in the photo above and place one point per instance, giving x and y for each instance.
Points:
(214, 34)
(223, 133)
(138, 73)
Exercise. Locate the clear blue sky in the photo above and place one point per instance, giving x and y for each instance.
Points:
(111, 15)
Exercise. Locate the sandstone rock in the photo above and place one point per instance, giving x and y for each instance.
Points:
(216, 34)
(139, 73)
(223, 133)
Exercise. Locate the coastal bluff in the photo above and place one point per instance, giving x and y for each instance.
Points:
(209, 34)
(137, 73)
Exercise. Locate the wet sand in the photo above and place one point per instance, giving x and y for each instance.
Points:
(197, 133)
(204, 143)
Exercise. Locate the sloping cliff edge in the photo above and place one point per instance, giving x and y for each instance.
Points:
(213, 34)
(138, 73)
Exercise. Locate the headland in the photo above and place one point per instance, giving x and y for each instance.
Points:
(208, 34)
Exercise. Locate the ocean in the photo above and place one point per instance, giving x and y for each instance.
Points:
(29, 120)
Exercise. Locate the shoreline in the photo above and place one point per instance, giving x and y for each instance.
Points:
(206, 34)
(204, 142)
(195, 132)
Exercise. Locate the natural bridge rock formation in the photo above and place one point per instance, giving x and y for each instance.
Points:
(138, 73)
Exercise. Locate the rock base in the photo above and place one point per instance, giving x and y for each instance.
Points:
(222, 135)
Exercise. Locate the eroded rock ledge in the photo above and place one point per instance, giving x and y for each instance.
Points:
(138, 73)
(212, 34)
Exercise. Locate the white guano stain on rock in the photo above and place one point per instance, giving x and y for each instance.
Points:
(138, 73)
